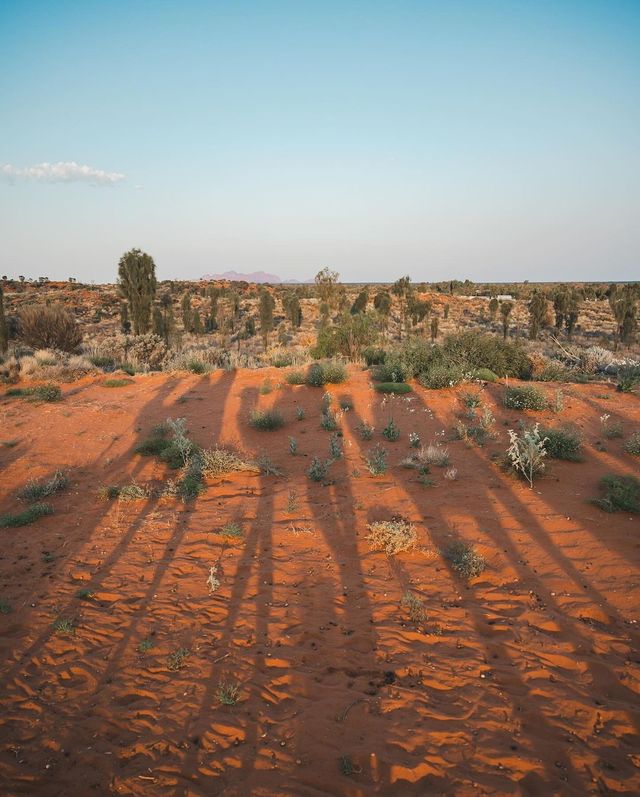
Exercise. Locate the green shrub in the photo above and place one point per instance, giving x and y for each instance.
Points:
(391, 431)
(365, 430)
(46, 393)
(335, 373)
(315, 375)
(27, 516)
(562, 443)
(296, 378)
(484, 375)
(266, 420)
(328, 421)
(232, 529)
(471, 351)
(393, 387)
(117, 382)
(621, 494)
(525, 398)
(281, 360)
(102, 361)
(633, 445)
(628, 379)
(393, 369)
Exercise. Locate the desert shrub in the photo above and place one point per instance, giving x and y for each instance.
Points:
(470, 399)
(471, 350)
(374, 356)
(484, 375)
(632, 445)
(328, 421)
(526, 452)
(376, 460)
(49, 327)
(133, 492)
(524, 398)
(36, 491)
(365, 430)
(391, 431)
(318, 470)
(562, 443)
(315, 375)
(392, 369)
(197, 366)
(441, 375)
(393, 387)
(218, 461)
(320, 374)
(191, 484)
(141, 352)
(611, 430)
(155, 444)
(335, 447)
(102, 361)
(27, 516)
(554, 371)
(392, 536)
(267, 466)
(621, 494)
(464, 559)
(47, 393)
(414, 606)
(628, 378)
(433, 454)
(296, 378)
(300, 413)
(232, 529)
(266, 420)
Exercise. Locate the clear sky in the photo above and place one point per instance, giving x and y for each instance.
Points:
(451, 139)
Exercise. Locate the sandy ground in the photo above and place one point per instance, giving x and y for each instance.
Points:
(530, 687)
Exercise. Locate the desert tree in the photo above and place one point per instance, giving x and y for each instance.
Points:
(292, 309)
(137, 282)
(494, 304)
(196, 323)
(267, 305)
(505, 312)
(382, 304)
(434, 328)
(360, 303)
(623, 300)
(187, 312)
(538, 308)
(327, 285)
(125, 321)
(4, 332)
(403, 290)
(234, 308)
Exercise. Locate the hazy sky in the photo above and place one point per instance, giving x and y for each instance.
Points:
(488, 140)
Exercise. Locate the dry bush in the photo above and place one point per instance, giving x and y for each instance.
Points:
(392, 536)
(217, 461)
(50, 327)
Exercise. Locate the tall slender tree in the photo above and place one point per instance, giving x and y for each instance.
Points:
(137, 281)
(267, 305)
(4, 332)
(505, 312)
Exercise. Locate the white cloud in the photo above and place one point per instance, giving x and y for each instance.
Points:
(61, 172)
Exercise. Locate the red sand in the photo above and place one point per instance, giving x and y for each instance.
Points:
(532, 686)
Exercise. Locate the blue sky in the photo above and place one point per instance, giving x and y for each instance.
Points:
(480, 139)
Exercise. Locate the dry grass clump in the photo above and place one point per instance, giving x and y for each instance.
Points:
(218, 461)
(425, 456)
(392, 536)
(36, 491)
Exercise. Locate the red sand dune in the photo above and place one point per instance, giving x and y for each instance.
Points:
(530, 688)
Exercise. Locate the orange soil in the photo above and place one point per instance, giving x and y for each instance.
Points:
(531, 688)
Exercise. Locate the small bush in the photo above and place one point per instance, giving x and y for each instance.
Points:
(281, 360)
(47, 393)
(133, 492)
(527, 452)
(49, 327)
(621, 494)
(633, 445)
(393, 387)
(328, 421)
(266, 420)
(36, 491)
(433, 454)
(27, 516)
(391, 431)
(392, 536)
(228, 694)
(176, 659)
(414, 607)
(335, 373)
(465, 560)
(441, 376)
(376, 460)
(365, 430)
(524, 398)
(300, 413)
(296, 378)
(393, 369)
(335, 447)
(628, 379)
(318, 470)
(218, 461)
(562, 444)
(231, 529)
(484, 375)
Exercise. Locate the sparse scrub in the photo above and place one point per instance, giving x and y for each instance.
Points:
(318, 470)
(376, 460)
(228, 693)
(218, 461)
(64, 625)
(393, 387)
(465, 560)
(117, 382)
(562, 443)
(365, 430)
(328, 421)
(335, 447)
(46, 393)
(300, 413)
(610, 430)
(415, 607)
(296, 378)
(391, 431)
(36, 491)
(392, 536)
(177, 658)
(232, 530)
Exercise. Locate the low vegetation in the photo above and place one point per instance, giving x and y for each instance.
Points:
(619, 494)
(392, 536)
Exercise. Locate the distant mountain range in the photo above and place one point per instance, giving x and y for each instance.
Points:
(255, 276)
